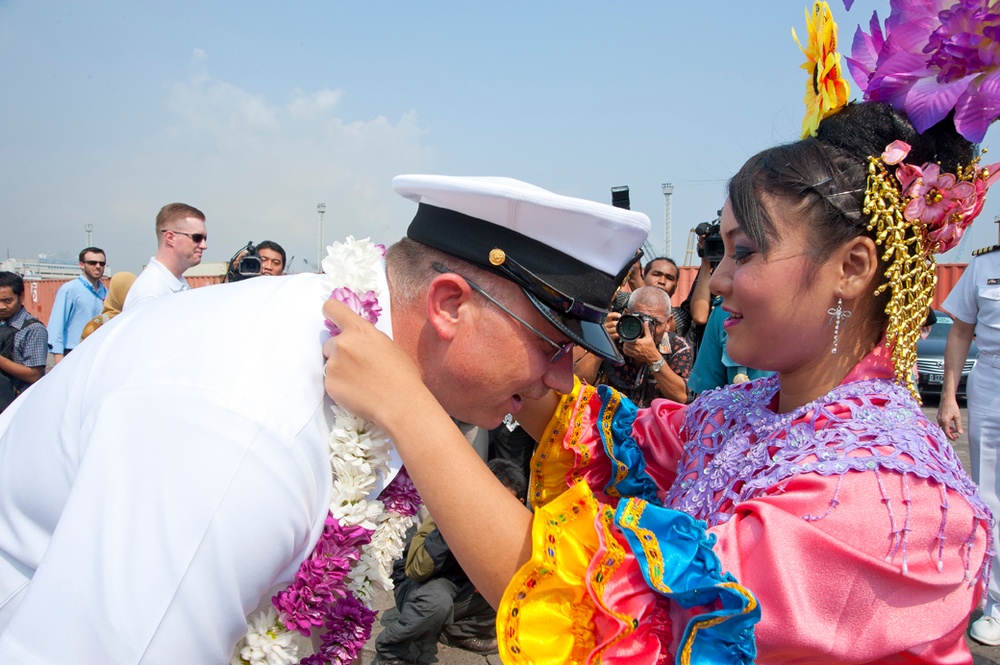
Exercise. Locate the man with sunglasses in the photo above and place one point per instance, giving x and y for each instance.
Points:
(181, 239)
(177, 490)
(77, 302)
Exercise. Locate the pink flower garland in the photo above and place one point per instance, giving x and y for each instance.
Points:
(320, 597)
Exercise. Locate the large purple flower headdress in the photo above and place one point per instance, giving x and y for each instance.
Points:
(932, 58)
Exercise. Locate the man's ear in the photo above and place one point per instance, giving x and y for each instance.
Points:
(858, 266)
(446, 295)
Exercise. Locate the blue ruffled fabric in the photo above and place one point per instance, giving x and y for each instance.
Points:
(623, 449)
(691, 575)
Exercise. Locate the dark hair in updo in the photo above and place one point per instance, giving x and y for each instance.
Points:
(823, 178)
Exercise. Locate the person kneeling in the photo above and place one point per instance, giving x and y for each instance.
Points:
(434, 596)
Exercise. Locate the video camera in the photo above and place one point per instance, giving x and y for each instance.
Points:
(244, 264)
(711, 248)
(620, 198)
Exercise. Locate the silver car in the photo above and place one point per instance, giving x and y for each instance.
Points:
(930, 358)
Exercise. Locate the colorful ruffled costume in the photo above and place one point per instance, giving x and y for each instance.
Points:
(849, 519)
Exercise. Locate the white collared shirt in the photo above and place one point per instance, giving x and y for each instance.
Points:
(154, 282)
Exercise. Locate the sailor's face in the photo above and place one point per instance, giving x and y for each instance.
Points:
(504, 362)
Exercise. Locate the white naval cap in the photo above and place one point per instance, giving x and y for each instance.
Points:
(568, 255)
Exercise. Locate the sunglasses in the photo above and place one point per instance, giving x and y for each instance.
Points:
(196, 238)
(96, 263)
(561, 349)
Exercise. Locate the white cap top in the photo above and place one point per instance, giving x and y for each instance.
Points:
(597, 234)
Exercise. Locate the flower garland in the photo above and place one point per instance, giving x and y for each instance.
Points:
(353, 558)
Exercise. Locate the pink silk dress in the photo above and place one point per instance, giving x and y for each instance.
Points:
(850, 520)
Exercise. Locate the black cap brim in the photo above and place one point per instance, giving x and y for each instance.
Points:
(590, 335)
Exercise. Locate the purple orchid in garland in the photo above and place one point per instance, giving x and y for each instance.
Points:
(932, 58)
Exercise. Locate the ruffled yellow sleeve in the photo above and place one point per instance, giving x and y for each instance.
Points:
(606, 586)
(567, 448)
(592, 438)
(611, 570)
(548, 601)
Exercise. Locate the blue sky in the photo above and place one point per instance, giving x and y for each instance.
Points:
(255, 112)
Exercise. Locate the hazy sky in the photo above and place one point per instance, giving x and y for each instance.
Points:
(255, 112)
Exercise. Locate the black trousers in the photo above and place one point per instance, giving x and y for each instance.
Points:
(426, 609)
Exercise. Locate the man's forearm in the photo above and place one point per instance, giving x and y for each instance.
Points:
(21, 372)
(956, 350)
(701, 295)
(670, 384)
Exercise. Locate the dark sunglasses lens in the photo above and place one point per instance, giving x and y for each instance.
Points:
(95, 263)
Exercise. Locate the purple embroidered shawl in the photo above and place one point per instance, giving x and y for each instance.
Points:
(738, 447)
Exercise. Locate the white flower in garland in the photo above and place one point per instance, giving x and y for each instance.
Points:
(359, 455)
(266, 642)
(361, 513)
(350, 264)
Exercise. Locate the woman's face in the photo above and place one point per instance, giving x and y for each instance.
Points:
(777, 304)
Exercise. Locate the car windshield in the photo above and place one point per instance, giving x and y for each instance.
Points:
(942, 325)
(940, 329)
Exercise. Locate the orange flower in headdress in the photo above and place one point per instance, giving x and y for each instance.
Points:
(826, 90)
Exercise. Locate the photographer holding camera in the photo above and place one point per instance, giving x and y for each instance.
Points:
(657, 362)
(692, 314)
(265, 258)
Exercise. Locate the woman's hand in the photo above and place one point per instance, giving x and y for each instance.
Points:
(364, 366)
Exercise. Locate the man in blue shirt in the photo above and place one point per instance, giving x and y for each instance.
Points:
(77, 302)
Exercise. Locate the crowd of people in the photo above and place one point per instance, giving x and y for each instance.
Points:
(746, 477)
(84, 304)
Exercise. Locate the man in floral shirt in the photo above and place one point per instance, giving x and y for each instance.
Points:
(652, 368)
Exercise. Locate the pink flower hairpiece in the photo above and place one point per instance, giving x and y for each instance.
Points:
(943, 203)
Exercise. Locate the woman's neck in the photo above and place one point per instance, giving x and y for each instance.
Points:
(816, 379)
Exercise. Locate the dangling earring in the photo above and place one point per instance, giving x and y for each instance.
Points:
(838, 313)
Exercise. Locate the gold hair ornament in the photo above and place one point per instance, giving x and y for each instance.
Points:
(916, 212)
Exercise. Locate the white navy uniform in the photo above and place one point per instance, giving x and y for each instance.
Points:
(154, 282)
(165, 477)
(976, 300)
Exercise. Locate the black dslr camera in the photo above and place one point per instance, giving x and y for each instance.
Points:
(711, 249)
(630, 326)
(245, 263)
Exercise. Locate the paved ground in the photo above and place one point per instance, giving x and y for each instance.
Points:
(438, 653)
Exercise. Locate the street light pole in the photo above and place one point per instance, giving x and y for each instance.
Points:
(320, 208)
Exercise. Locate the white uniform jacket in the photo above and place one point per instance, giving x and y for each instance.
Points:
(167, 475)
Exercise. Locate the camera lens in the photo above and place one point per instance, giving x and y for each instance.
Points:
(629, 327)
